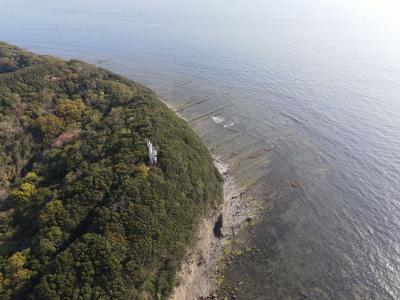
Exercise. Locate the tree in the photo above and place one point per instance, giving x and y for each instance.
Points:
(49, 126)
(16, 275)
(71, 110)
(24, 193)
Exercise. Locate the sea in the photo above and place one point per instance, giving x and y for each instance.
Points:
(300, 97)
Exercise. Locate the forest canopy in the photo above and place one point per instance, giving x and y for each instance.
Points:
(83, 215)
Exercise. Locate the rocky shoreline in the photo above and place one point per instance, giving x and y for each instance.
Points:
(199, 274)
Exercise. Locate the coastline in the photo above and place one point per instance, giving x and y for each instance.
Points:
(198, 274)
(201, 272)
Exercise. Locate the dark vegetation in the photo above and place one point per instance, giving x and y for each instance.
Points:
(87, 218)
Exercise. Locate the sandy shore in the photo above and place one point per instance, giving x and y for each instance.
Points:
(197, 275)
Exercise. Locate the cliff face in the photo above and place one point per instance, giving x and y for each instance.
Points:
(87, 216)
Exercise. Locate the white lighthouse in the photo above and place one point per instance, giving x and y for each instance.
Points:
(152, 153)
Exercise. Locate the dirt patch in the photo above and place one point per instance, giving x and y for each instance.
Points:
(197, 275)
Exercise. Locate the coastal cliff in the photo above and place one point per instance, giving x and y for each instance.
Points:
(83, 214)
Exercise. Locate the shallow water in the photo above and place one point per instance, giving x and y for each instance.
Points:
(299, 91)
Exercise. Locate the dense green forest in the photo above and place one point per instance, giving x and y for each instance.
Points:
(83, 216)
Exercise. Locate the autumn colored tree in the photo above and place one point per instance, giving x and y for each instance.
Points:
(70, 110)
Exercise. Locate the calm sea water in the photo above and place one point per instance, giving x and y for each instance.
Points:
(311, 88)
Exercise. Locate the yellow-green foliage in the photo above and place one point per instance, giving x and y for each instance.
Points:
(15, 273)
(71, 109)
(49, 125)
(51, 212)
(99, 222)
(25, 192)
(143, 169)
(32, 177)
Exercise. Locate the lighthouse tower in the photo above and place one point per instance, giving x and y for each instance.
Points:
(152, 153)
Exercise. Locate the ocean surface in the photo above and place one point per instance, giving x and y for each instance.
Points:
(301, 97)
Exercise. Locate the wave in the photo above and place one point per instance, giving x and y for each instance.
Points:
(220, 121)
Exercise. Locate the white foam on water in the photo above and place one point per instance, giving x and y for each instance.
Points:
(219, 121)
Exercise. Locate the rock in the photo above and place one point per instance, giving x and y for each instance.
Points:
(218, 226)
